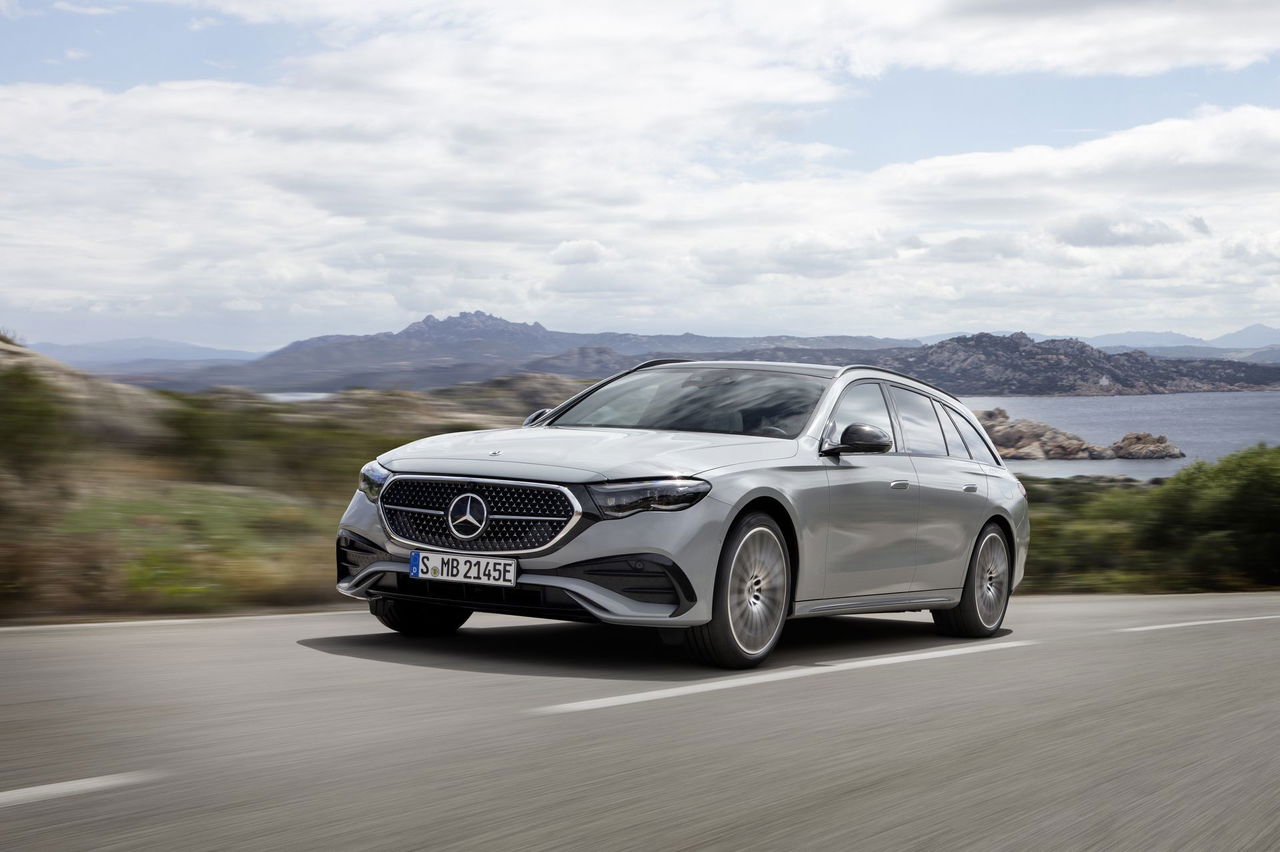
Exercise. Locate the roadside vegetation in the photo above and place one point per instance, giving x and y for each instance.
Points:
(1210, 528)
(223, 500)
(230, 505)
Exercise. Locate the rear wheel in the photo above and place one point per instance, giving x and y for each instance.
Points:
(986, 589)
(418, 619)
(753, 593)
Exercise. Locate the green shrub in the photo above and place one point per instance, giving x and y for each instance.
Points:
(1210, 527)
(35, 425)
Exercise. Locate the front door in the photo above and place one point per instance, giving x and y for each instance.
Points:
(874, 505)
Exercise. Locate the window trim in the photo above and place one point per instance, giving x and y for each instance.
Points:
(982, 436)
(940, 412)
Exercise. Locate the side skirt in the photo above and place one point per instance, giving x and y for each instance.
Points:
(894, 602)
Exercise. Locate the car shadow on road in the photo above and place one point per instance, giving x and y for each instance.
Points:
(562, 649)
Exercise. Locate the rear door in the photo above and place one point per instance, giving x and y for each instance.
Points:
(952, 491)
(873, 504)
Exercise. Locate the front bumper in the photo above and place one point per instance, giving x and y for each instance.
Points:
(650, 569)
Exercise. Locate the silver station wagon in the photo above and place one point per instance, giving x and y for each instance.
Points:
(713, 500)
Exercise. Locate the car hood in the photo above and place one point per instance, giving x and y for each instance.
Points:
(567, 454)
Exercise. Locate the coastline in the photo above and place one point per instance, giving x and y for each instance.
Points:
(1205, 425)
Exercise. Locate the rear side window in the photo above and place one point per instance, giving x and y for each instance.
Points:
(955, 446)
(920, 429)
(862, 403)
(977, 445)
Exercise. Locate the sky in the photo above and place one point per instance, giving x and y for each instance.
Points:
(249, 172)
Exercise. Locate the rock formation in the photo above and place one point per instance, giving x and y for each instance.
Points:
(1031, 440)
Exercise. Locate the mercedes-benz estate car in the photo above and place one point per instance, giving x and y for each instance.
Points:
(712, 500)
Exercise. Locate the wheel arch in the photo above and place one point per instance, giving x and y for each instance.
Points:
(774, 508)
(1010, 540)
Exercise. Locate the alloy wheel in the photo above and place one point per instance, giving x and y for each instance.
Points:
(757, 590)
(992, 568)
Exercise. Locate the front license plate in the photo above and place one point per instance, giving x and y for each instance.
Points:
(483, 570)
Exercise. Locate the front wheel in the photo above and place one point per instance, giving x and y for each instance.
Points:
(753, 592)
(418, 619)
(986, 589)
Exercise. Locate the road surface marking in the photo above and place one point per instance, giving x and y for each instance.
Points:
(770, 677)
(75, 788)
(1195, 623)
(167, 622)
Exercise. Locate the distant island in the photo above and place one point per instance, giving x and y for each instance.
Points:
(435, 353)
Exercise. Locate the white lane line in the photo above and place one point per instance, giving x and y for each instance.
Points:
(74, 788)
(168, 622)
(1195, 623)
(770, 677)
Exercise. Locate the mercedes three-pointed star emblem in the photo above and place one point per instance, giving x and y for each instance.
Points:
(467, 516)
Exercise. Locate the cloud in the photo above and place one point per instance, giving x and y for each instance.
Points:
(865, 39)
(626, 167)
(75, 54)
(578, 251)
(80, 9)
(203, 23)
(1096, 231)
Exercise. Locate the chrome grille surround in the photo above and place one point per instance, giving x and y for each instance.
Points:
(524, 517)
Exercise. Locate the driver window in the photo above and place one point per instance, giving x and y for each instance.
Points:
(861, 403)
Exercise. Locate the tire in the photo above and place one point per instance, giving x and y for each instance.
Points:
(418, 619)
(752, 597)
(986, 589)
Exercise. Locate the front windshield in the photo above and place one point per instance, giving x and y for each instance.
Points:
(702, 399)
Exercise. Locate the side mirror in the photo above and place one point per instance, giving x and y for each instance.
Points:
(535, 416)
(860, 438)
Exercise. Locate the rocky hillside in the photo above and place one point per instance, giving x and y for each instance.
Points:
(101, 408)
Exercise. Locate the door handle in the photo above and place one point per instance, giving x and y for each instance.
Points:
(899, 484)
(970, 489)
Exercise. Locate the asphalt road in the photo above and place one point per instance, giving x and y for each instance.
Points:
(324, 731)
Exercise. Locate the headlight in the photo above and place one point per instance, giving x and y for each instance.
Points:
(372, 477)
(619, 499)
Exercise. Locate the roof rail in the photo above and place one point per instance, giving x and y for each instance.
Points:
(657, 361)
(847, 367)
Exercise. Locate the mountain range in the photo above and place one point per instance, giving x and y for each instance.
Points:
(476, 346)
(478, 338)
(143, 352)
(439, 352)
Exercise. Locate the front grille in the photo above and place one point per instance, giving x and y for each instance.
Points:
(520, 517)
